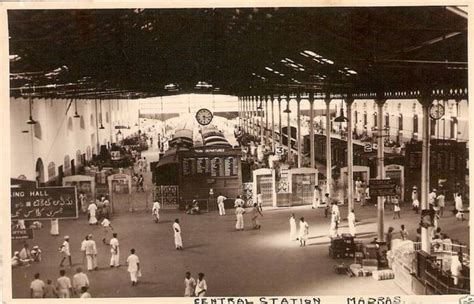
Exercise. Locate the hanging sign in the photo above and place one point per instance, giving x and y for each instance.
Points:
(31, 203)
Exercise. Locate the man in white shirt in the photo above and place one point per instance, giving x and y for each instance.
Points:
(83, 248)
(107, 225)
(189, 285)
(65, 251)
(201, 286)
(133, 267)
(178, 242)
(459, 207)
(238, 202)
(114, 251)
(155, 210)
(79, 280)
(220, 204)
(432, 198)
(259, 201)
(91, 253)
(37, 287)
(64, 285)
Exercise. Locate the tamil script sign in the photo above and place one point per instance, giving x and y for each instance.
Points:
(382, 187)
(31, 203)
(22, 234)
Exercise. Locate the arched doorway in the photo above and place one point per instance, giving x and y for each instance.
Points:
(39, 172)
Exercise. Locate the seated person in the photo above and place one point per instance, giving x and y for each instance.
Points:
(437, 244)
(36, 254)
(17, 260)
(195, 208)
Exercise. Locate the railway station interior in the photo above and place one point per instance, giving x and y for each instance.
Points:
(353, 118)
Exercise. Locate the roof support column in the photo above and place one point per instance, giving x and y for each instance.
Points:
(425, 169)
(288, 130)
(380, 167)
(311, 128)
(244, 108)
(350, 162)
(262, 129)
(298, 123)
(327, 100)
(273, 124)
(279, 120)
(252, 107)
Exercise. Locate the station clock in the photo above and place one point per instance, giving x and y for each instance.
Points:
(436, 111)
(204, 117)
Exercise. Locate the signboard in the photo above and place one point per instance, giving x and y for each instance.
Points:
(284, 183)
(279, 151)
(22, 234)
(31, 203)
(368, 147)
(382, 187)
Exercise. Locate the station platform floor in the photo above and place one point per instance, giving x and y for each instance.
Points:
(248, 263)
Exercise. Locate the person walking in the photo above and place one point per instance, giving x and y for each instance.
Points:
(260, 200)
(403, 233)
(316, 197)
(352, 223)
(178, 241)
(50, 290)
(133, 267)
(304, 231)
(79, 280)
(396, 207)
(65, 250)
(239, 213)
(92, 213)
(388, 237)
(441, 203)
(83, 248)
(64, 285)
(415, 202)
(37, 287)
(293, 235)
(155, 211)
(459, 207)
(201, 286)
(145, 164)
(140, 183)
(107, 226)
(189, 285)
(114, 251)
(220, 203)
(91, 253)
(238, 202)
(256, 212)
(327, 204)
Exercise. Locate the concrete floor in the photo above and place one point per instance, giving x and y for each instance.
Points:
(248, 263)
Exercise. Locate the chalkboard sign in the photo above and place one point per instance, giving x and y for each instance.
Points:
(186, 166)
(215, 166)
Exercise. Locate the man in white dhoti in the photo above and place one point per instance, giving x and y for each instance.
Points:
(114, 251)
(133, 267)
(456, 267)
(64, 249)
(91, 253)
(358, 189)
(189, 285)
(441, 203)
(293, 236)
(352, 223)
(239, 213)
(92, 213)
(155, 211)
(178, 242)
(220, 203)
(304, 231)
(201, 286)
(459, 207)
(260, 201)
(316, 197)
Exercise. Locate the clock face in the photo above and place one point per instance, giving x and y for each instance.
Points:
(436, 111)
(204, 117)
